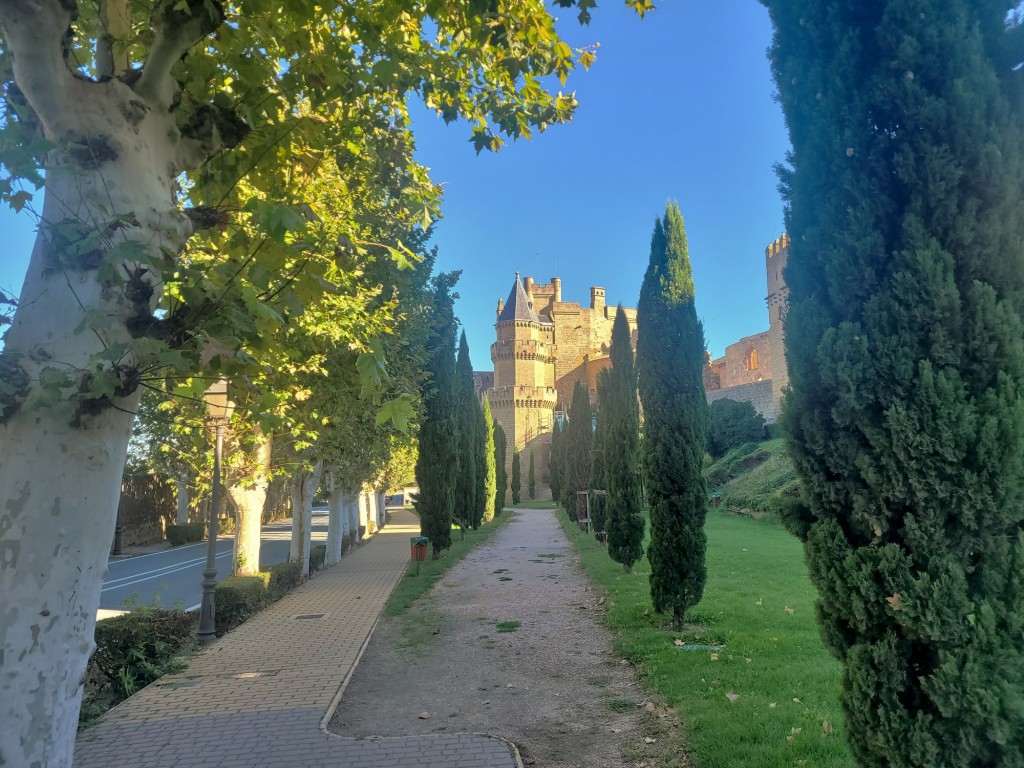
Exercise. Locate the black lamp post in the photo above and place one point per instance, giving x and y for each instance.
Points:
(220, 409)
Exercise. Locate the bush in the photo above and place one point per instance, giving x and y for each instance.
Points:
(598, 512)
(317, 556)
(283, 577)
(187, 533)
(732, 424)
(239, 597)
(136, 648)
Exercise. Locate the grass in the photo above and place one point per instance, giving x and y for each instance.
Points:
(755, 477)
(770, 697)
(412, 585)
(508, 626)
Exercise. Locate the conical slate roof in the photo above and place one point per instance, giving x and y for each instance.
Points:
(518, 306)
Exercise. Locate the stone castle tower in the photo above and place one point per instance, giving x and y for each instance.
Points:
(753, 369)
(544, 346)
(775, 256)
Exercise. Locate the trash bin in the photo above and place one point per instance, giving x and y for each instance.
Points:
(419, 548)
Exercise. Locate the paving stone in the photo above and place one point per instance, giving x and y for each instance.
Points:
(256, 697)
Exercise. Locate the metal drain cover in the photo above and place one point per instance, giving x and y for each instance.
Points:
(308, 616)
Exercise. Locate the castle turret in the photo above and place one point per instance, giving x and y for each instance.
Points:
(597, 299)
(775, 256)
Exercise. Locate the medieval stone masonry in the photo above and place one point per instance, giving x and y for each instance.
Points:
(753, 370)
(545, 345)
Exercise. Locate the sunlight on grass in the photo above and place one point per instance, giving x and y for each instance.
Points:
(770, 697)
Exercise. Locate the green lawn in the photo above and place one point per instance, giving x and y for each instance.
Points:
(770, 697)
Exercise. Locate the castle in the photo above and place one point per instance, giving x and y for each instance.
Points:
(545, 345)
(753, 370)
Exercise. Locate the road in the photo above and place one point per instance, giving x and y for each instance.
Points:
(173, 577)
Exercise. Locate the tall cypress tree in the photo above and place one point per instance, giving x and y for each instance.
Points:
(490, 473)
(670, 360)
(465, 481)
(599, 501)
(622, 464)
(437, 462)
(517, 480)
(555, 461)
(531, 479)
(905, 412)
(578, 436)
(500, 453)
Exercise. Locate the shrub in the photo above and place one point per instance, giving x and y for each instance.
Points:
(187, 533)
(317, 556)
(598, 512)
(239, 597)
(136, 648)
(283, 577)
(732, 424)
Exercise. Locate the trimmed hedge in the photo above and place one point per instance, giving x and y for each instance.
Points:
(283, 577)
(239, 597)
(188, 533)
(134, 649)
(317, 557)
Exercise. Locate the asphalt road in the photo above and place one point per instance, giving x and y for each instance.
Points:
(172, 578)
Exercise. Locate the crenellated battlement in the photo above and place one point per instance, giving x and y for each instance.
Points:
(777, 247)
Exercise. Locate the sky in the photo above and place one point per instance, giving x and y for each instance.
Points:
(678, 107)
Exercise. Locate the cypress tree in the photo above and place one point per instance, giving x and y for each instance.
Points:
(622, 465)
(465, 481)
(531, 479)
(437, 461)
(482, 493)
(500, 452)
(555, 462)
(905, 412)
(670, 360)
(516, 478)
(490, 488)
(599, 502)
(579, 435)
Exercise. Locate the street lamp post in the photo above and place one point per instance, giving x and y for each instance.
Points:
(220, 409)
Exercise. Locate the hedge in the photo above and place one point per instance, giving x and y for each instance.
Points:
(187, 533)
(239, 597)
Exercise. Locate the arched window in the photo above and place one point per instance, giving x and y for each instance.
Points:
(751, 361)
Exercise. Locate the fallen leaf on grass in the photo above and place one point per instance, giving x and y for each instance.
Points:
(424, 715)
(650, 706)
(732, 696)
(714, 657)
(649, 740)
(749, 661)
(759, 601)
(773, 705)
(797, 701)
(677, 642)
(826, 728)
(795, 730)
(788, 610)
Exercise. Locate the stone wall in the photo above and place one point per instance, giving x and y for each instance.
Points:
(748, 360)
(758, 394)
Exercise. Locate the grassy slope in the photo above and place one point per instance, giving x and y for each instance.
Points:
(756, 488)
(760, 604)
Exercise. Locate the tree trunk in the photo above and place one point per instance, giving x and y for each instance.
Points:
(364, 516)
(303, 488)
(352, 506)
(382, 514)
(181, 487)
(248, 490)
(335, 519)
(63, 456)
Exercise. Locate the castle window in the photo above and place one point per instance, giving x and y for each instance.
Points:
(750, 363)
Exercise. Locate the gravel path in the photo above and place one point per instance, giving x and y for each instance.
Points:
(510, 643)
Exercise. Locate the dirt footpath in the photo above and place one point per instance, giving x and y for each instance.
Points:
(510, 643)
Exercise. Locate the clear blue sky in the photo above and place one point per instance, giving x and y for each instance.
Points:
(677, 107)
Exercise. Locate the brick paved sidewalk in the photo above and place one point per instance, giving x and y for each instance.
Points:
(260, 696)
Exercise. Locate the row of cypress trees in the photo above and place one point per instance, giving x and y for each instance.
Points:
(667, 374)
(461, 465)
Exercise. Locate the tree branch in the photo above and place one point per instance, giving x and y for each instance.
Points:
(175, 32)
(112, 43)
(33, 32)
